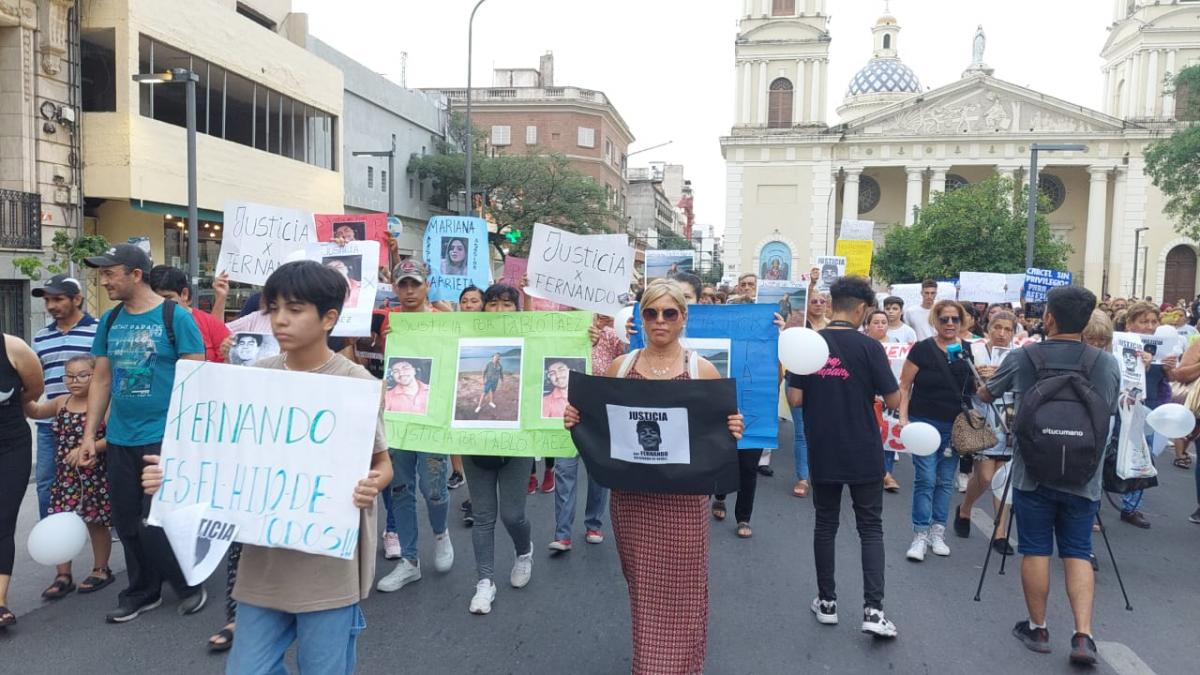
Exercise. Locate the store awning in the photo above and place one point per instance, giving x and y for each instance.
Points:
(175, 210)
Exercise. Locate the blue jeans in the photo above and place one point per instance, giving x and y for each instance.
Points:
(566, 471)
(326, 641)
(431, 471)
(933, 482)
(47, 447)
(889, 460)
(800, 444)
(1132, 501)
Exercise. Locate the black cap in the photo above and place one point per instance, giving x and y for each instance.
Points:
(59, 284)
(128, 255)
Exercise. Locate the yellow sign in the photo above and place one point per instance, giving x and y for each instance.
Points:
(858, 256)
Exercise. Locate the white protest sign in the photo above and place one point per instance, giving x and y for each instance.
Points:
(1127, 347)
(356, 261)
(587, 272)
(199, 538)
(986, 287)
(1014, 286)
(275, 452)
(909, 293)
(897, 354)
(830, 268)
(857, 230)
(259, 238)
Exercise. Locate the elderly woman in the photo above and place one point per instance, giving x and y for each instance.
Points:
(935, 387)
(818, 306)
(662, 538)
(988, 354)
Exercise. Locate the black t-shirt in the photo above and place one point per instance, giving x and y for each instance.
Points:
(933, 394)
(844, 444)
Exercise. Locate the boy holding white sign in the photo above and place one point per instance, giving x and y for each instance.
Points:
(286, 595)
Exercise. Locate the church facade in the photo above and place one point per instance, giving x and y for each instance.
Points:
(793, 176)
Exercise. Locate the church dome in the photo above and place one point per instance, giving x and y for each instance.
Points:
(884, 76)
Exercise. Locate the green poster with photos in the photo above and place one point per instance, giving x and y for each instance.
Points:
(482, 383)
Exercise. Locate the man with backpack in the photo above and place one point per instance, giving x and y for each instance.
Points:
(137, 345)
(1066, 393)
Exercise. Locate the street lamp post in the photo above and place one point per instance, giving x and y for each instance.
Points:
(391, 156)
(1031, 224)
(189, 79)
(1137, 251)
(470, 130)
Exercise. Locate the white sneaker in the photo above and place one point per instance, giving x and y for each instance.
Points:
(937, 540)
(476, 409)
(491, 404)
(522, 570)
(825, 611)
(960, 482)
(405, 573)
(391, 546)
(485, 594)
(874, 623)
(443, 552)
(916, 552)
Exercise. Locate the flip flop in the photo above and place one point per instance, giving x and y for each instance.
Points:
(801, 489)
(62, 586)
(7, 618)
(744, 531)
(225, 634)
(94, 583)
(718, 510)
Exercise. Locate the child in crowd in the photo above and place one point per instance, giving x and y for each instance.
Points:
(283, 595)
(78, 487)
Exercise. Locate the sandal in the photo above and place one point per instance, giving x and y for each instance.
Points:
(7, 618)
(801, 489)
(1184, 462)
(62, 586)
(718, 510)
(94, 582)
(744, 531)
(222, 641)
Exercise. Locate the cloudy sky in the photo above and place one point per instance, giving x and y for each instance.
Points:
(668, 64)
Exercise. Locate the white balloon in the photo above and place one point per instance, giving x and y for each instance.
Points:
(622, 320)
(802, 350)
(921, 439)
(998, 480)
(1165, 331)
(1171, 420)
(57, 538)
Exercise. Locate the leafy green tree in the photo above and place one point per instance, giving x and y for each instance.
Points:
(522, 189)
(1174, 162)
(976, 228)
(64, 252)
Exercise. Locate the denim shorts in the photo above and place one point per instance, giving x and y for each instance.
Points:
(1046, 515)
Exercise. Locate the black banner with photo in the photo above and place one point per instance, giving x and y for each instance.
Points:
(656, 436)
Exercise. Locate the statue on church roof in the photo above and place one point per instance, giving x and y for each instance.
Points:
(980, 45)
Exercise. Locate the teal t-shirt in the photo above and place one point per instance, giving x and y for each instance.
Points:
(143, 359)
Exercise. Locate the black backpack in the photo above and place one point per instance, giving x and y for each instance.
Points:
(1062, 421)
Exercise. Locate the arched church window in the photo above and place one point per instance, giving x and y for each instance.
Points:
(779, 104)
(868, 194)
(783, 8)
(1052, 186)
(887, 41)
(955, 181)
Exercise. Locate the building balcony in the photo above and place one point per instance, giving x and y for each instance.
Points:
(20, 220)
(526, 95)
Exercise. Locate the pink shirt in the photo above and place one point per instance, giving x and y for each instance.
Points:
(395, 400)
(554, 403)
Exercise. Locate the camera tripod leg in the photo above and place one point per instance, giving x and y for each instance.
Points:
(1104, 534)
(995, 529)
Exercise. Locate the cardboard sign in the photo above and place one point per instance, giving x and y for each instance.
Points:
(753, 361)
(857, 230)
(666, 264)
(656, 436)
(356, 263)
(788, 296)
(986, 287)
(482, 383)
(275, 452)
(897, 354)
(259, 238)
(858, 255)
(1038, 282)
(356, 227)
(1014, 287)
(829, 269)
(514, 271)
(456, 250)
(586, 272)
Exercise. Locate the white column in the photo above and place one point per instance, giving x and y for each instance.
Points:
(1135, 84)
(912, 195)
(937, 182)
(1010, 172)
(824, 89)
(1169, 97)
(1109, 81)
(850, 194)
(1152, 80)
(763, 95)
(817, 77)
(1116, 275)
(798, 94)
(1093, 248)
(747, 81)
(766, 7)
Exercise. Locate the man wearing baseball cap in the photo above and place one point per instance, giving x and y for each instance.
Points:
(69, 334)
(137, 345)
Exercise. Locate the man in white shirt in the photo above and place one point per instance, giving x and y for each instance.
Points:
(897, 330)
(918, 317)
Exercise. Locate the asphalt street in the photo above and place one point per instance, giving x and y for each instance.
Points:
(574, 615)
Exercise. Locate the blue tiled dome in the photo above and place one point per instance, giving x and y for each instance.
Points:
(882, 76)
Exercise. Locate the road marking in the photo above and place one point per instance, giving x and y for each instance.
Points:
(1122, 659)
(985, 523)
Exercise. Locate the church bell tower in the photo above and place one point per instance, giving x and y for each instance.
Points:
(782, 59)
(1148, 43)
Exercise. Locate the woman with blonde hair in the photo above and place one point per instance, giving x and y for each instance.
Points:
(662, 538)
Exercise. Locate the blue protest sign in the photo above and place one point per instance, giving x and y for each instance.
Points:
(742, 342)
(1038, 283)
(456, 250)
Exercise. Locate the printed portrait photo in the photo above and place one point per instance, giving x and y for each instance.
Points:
(406, 383)
(350, 267)
(716, 350)
(1130, 361)
(350, 231)
(487, 394)
(455, 258)
(556, 372)
(250, 347)
(649, 435)
(668, 264)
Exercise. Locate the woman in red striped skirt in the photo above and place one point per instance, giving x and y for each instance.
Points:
(663, 538)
